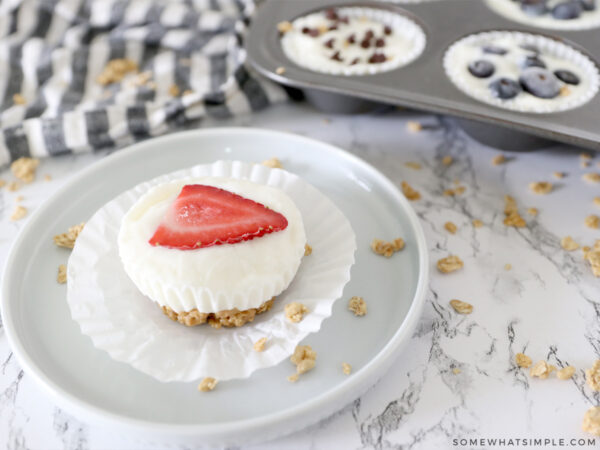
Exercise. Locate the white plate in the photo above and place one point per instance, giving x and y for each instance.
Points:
(95, 388)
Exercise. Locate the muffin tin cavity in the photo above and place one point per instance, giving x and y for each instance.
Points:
(555, 14)
(521, 72)
(352, 40)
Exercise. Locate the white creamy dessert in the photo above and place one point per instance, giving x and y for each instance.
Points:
(521, 72)
(240, 275)
(352, 41)
(513, 10)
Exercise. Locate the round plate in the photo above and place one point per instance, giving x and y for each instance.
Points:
(89, 384)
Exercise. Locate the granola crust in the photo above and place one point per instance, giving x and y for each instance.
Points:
(226, 318)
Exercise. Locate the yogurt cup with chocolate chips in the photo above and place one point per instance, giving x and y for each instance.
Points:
(352, 41)
(554, 14)
(521, 71)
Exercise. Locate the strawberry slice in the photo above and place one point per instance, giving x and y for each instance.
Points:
(203, 216)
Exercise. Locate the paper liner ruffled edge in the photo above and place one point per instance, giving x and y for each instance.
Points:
(458, 76)
(95, 320)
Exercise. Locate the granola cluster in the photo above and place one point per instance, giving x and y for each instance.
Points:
(304, 358)
(25, 168)
(294, 312)
(592, 376)
(541, 187)
(461, 307)
(115, 71)
(449, 264)
(226, 318)
(591, 421)
(358, 306)
(387, 249)
(68, 239)
(409, 192)
(273, 163)
(62, 274)
(511, 212)
(207, 384)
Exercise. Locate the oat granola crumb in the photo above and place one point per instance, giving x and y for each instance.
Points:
(498, 159)
(280, 70)
(294, 312)
(541, 187)
(187, 92)
(13, 186)
(259, 346)
(507, 266)
(273, 163)
(447, 160)
(592, 177)
(409, 192)
(346, 368)
(532, 211)
(568, 244)
(284, 27)
(559, 175)
(20, 198)
(584, 164)
(453, 192)
(116, 70)
(24, 168)
(207, 384)
(227, 318)
(414, 126)
(456, 371)
(413, 165)
(174, 90)
(541, 369)
(593, 258)
(565, 91)
(387, 249)
(18, 213)
(293, 378)
(67, 239)
(307, 250)
(461, 307)
(449, 264)
(592, 376)
(597, 201)
(591, 421)
(62, 274)
(18, 99)
(304, 359)
(565, 373)
(523, 360)
(585, 156)
(450, 227)
(511, 212)
(477, 223)
(358, 306)
(592, 221)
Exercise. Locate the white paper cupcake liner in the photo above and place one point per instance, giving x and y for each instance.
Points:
(512, 11)
(457, 72)
(133, 329)
(412, 35)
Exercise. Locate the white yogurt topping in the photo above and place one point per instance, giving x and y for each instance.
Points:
(554, 54)
(512, 10)
(241, 275)
(405, 43)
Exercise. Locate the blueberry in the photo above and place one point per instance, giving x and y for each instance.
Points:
(588, 5)
(567, 10)
(481, 68)
(533, 61)
(494, 50)
(566, 76)
(505, 88)
(539, 82)
(534, 7)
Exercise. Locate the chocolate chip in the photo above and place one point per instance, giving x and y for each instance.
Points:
(369, 34)
(379, 42)
(313, 32)
(305, 30)
(377, 58)
(331, 14)
(329, 43)
(355, 61)
(387, 30)
(351, 39)
(365, 43)
(343, 20)
(333, 27)
(336, 56)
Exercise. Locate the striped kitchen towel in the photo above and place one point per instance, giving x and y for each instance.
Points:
(80, 75)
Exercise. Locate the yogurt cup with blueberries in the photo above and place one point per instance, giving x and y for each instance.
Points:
(555, 14)
(521, 71)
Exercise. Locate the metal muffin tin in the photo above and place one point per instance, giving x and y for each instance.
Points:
(423, 84)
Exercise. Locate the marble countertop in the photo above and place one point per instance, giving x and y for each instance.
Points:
(547, 305)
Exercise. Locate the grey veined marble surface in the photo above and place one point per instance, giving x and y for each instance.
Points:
(547, 305)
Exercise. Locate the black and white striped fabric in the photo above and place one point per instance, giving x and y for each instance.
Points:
(52, 51)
